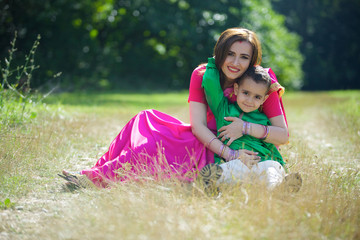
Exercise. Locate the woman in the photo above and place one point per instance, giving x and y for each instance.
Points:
(156, 144)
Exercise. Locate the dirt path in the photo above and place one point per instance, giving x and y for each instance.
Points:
(315, 127)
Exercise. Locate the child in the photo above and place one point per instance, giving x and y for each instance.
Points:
(251, 91)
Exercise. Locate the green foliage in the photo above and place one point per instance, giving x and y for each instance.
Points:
(20, 84)
(144, 44)
(278, 44)
(6, 204)
(15, 110)
(16, 100)
(330, 40)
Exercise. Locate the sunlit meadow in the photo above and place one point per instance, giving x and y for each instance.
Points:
(72, 130)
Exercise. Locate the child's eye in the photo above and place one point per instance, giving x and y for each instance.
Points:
(245, 92)
(258, 97)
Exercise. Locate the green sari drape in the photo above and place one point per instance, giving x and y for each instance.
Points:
(221, 107)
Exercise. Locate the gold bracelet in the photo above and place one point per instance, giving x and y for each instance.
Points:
(223, 150)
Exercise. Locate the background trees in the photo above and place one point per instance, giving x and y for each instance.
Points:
(156, 44)
(330, 40)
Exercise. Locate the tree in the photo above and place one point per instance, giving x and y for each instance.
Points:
(330, 40)
(151, 44)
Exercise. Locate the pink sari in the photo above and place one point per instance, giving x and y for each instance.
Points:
(152, 144)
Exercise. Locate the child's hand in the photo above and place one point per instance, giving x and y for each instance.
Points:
(249, 158)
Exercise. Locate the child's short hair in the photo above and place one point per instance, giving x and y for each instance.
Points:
(258, 74)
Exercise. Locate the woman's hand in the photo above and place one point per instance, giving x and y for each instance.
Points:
(232, 131)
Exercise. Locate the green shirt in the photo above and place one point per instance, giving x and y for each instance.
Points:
(221, 107)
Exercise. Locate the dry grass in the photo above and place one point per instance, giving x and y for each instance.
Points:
(324, 148)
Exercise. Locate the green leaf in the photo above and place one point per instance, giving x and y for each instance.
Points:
(7, 202)
(33, 115)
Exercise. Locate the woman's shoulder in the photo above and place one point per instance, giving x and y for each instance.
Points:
(275, 85)
(197, 74)
(200, 70)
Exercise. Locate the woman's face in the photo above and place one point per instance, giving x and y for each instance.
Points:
(237, 60)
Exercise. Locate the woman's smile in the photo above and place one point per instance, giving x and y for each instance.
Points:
(233, 69)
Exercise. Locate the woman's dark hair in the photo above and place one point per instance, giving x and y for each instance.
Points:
(227, 38)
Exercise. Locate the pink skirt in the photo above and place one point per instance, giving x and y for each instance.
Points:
(151, 144)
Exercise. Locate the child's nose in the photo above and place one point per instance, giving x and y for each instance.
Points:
(250, 100)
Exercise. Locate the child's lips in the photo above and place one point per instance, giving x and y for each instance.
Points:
(248, 106)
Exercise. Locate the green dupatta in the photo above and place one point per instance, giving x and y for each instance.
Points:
(221, 107)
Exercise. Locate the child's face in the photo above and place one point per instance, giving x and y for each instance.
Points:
(250, 95)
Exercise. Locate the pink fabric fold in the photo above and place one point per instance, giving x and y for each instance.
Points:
(152, 144)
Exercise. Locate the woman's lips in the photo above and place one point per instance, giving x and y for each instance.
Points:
(233, 70)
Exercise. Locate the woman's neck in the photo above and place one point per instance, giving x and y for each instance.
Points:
(227, 84)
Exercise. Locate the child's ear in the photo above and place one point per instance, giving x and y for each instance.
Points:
(236, 88)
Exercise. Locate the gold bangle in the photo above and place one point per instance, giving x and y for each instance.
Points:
(222, 152)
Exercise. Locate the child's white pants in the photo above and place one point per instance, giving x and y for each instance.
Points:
(269, 172)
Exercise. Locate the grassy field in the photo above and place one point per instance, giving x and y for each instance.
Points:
(72, 130)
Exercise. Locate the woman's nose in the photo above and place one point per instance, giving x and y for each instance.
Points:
(236, 61)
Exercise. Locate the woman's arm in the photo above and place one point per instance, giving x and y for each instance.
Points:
(278, 131)
(199, 126)
(203, 133)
